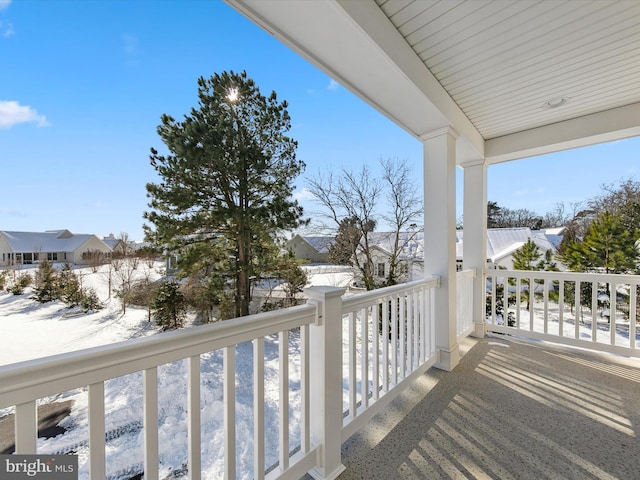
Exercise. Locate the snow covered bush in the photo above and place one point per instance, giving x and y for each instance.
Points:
(168, 305)
(22, 282)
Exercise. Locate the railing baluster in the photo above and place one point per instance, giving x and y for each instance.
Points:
(423, 325)
(258, 408)
(613, 298)
(532, 298)
(595, 286)
(493, 317)
(545, 301)
(518, 301)
(97, 463)
(386, 361)
(194, 430)
(283, 354)
(578, 308)
(505, 301)
(352, 365)
(395, 304)
(364, 359)
(594, 311)
(561, 308)
(26, 428)
(305, 439)
(632, 314)
(416, 331)
(409, 358)
(403, 334)
(375, 374)
(150, 386)
(230, 412)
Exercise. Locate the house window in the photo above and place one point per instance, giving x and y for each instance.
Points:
(380, 269)
(52, 256)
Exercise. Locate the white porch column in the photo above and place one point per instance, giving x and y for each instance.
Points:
(440, 237)
(325, 337)
(475, 237)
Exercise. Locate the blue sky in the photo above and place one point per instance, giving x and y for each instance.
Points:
(83, 86)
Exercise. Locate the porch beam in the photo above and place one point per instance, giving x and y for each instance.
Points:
(601, 127)
(475, 237)
(440, 238)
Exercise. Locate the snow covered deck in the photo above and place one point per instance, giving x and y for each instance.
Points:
(511, 409)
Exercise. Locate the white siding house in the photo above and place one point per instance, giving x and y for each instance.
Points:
(56, 246)
(503, 242)
(411, 255)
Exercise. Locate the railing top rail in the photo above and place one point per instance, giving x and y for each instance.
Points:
(570, 276)
(360, 300)
(33, 379)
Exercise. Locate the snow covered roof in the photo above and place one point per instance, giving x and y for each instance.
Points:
(320, 244)
(411, 243)
(50, 241)
(111, 242)
(502, 242)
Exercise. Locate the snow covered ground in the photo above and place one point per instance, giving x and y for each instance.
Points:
(31, 330)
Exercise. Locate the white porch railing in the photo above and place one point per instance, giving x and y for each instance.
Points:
(390, 341)
(596, 311)
(464, 302)
(337, 385)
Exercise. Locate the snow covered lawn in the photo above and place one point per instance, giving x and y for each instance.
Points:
(31, 330)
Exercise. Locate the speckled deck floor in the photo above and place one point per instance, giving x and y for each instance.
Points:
(510, 410)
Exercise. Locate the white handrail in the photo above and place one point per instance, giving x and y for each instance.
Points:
(34, 379)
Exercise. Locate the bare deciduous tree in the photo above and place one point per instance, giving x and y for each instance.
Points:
(405, 208)
(124, 278)
(353, 204)
(352, 196)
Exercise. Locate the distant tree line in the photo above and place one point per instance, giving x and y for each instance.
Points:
(502, 217)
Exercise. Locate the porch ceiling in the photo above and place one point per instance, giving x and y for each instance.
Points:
(486, 68)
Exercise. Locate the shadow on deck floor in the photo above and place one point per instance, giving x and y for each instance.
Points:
(510, 410)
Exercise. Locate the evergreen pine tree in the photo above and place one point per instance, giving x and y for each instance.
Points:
(168, 305)
(226, 182)
(608, 247)
(527, 257)
(46, 283)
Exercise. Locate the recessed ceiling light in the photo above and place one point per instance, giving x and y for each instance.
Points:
(555, 103)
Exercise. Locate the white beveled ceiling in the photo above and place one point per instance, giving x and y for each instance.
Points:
(514, 78)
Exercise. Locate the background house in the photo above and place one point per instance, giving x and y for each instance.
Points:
(313, 249)
(411, 257)
(18, 248)
(115, 244)
(503, 242)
